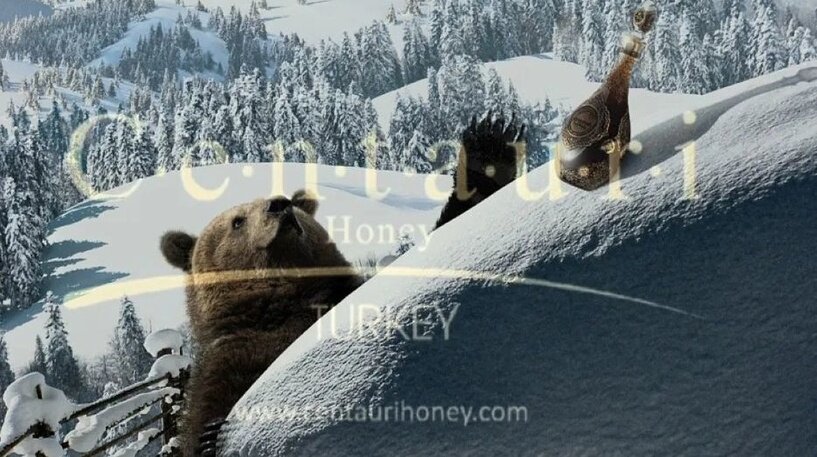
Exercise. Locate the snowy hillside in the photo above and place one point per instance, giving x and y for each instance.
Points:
(537, 78)
(17, 72)
(112, 244)
(164, 16)
(317, 20)
(677, 321)
(11, 9)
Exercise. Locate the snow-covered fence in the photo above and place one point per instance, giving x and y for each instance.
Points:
(37, 412)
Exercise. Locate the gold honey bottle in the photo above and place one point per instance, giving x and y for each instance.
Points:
(595, 136)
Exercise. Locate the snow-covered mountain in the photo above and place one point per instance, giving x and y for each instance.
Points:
(105, 248)
(677, 320)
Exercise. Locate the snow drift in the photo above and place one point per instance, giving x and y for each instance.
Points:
(676, 321)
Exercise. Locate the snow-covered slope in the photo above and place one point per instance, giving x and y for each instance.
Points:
(677, 321)
(539, 77)
(12, 9)
(102, 249)
(165, 15)
(318, 19)
(17, 72)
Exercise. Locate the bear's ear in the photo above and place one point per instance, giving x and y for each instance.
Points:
(307, 201)
(177, 247)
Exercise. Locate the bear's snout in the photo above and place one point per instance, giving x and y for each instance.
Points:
(288, 220)
(279, 205)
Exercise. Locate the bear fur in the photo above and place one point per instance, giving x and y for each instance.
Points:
(246, 300)
(247, 304)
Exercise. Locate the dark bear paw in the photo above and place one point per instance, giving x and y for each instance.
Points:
(490, 154)
(208, 441)
(488, 162)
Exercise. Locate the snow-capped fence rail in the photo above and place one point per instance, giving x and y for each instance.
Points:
(37, 412)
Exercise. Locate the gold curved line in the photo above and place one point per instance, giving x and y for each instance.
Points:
(164, 283)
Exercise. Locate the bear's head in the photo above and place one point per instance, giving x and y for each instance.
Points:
(278, 233)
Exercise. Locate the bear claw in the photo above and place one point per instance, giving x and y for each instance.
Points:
(208, 441)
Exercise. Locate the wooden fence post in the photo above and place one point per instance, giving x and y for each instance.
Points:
(40, 429)
(171, 410)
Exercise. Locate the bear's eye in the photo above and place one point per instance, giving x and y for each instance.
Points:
(238, 222)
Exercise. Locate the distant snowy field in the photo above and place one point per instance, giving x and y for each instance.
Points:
(114, 242)
(318, 19)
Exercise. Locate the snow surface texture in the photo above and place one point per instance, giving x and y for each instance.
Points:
(89, 429)
(652, 325)
(164, 339)
(103, 249)
(25, 409)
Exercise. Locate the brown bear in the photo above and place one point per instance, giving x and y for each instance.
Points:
(251, 291)
(259, 272)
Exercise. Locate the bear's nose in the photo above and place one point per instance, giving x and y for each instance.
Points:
(278, 205)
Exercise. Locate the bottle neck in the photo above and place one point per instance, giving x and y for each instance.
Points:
(619, 79)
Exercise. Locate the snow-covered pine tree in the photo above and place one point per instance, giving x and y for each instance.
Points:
(614, 25)
(713, 63)
(24, 239)
(808, 47)
(105, 168)
(436, 24)
(694, 75)
(569, 24)
(4, 77)
(252, 148)
(125, 151)
(435, 128)
(38, 364)
(6, 375)
(63, 367)
(399, 130)
(733, 46)
(417, 54)
(495, 95)
(416, 158)
(391, 16)
(127, 344)
(142, 163)
(767, 48)
(666, 58)
(164, 142)
(591, 49)
(348, 64)
(223, 131)
(377, 52)
(184, 137)
(535, 30)
(4, 278)
(461, 93)
(350, 129)
(287, 127)
(452, 40)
